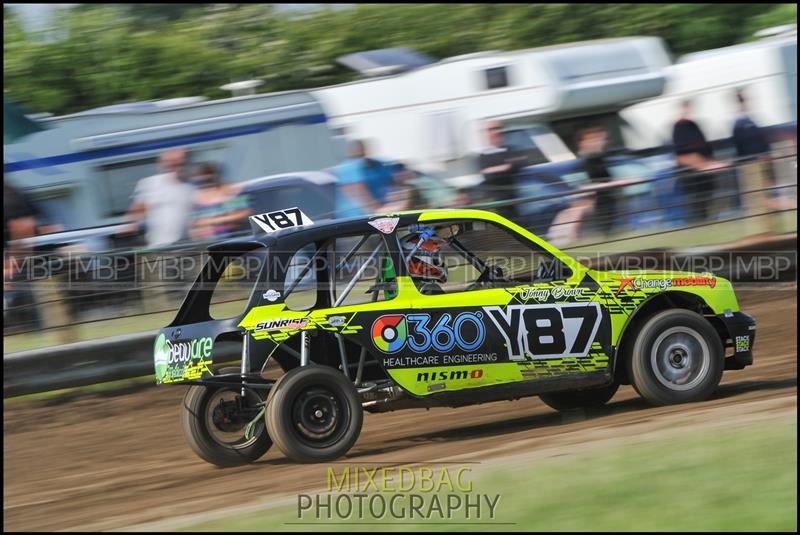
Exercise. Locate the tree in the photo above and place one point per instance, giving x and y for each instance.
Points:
(109, 53)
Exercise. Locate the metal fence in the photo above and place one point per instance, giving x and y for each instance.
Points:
(78, 319)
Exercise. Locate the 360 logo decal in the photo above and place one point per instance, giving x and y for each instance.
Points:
(389, 333)
(392, 332)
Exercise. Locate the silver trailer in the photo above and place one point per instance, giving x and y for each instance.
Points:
(82, 170)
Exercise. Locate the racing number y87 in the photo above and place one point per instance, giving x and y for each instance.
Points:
(547, 330)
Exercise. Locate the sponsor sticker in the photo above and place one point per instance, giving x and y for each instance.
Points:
(271, 295)
(421, 333)
(173, 357)
(639, 283)
(544, 294)
(385, 224)
(336, 321)
(281, 323)
(742, 344)
(449, 375)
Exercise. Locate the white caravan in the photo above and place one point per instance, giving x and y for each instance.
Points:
(431, 116)
(766, 71)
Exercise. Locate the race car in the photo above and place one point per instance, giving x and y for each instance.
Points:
(424, 309)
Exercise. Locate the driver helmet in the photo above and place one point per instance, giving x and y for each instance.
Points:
(427, 262)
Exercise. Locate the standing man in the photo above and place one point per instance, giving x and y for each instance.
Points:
(754, 171)
(592, 143)
(19, 222)
(164, 201)
(748, 138)
(692, 151)
(498, 167)
(364, 183)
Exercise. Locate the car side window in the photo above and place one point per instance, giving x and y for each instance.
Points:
(239, 277)
(473, 255)
(300, 288)
(363, 270)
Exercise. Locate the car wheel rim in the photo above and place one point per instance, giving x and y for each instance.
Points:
(680, 358)
(319, 416)
(227, 415)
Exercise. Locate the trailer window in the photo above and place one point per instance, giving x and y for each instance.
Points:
(119, 182)
(496, 77)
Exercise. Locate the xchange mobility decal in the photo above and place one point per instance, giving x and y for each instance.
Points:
(392, 332)
(639, 283)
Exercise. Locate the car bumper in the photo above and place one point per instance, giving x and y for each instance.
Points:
(742, 334)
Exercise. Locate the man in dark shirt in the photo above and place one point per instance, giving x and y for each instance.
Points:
(19, 215)
(591, 146)
(748, 138)
(755, 171)
(694, 154)
(498, 166)
(19, 222)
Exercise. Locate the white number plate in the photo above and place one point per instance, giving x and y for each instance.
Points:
(280, 220)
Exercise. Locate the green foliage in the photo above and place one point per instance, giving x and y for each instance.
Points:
(108, 53)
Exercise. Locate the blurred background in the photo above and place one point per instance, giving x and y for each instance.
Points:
(135, 135)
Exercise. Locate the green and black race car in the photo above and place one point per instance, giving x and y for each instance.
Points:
(423, 309)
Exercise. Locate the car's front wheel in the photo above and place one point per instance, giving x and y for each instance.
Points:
(677, 358)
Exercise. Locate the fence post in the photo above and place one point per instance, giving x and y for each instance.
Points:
(55, 314)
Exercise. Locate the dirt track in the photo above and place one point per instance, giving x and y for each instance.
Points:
(105, 462)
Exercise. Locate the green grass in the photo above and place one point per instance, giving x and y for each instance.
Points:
(737, 479)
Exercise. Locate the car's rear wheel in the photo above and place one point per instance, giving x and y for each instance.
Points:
(214, 420)
(592, 398)
(314, 414)
(677, 358)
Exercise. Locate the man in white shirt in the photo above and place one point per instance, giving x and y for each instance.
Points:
(164, 202)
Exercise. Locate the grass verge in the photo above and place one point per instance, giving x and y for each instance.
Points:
(741, 479)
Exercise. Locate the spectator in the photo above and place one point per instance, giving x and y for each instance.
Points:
(19, 216)
(748, 138)
(692, 151)
(591, 147)
(364, 184)
(164, 201)
(752, 148)
(19, 222)
(498, 167)
(218, 208)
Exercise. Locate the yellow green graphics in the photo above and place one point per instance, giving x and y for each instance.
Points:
(440, 308)
(181, 360)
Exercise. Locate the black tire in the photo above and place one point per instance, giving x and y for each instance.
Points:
(209, 443)
(592, 398)
(677, 358)
(314, 414)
